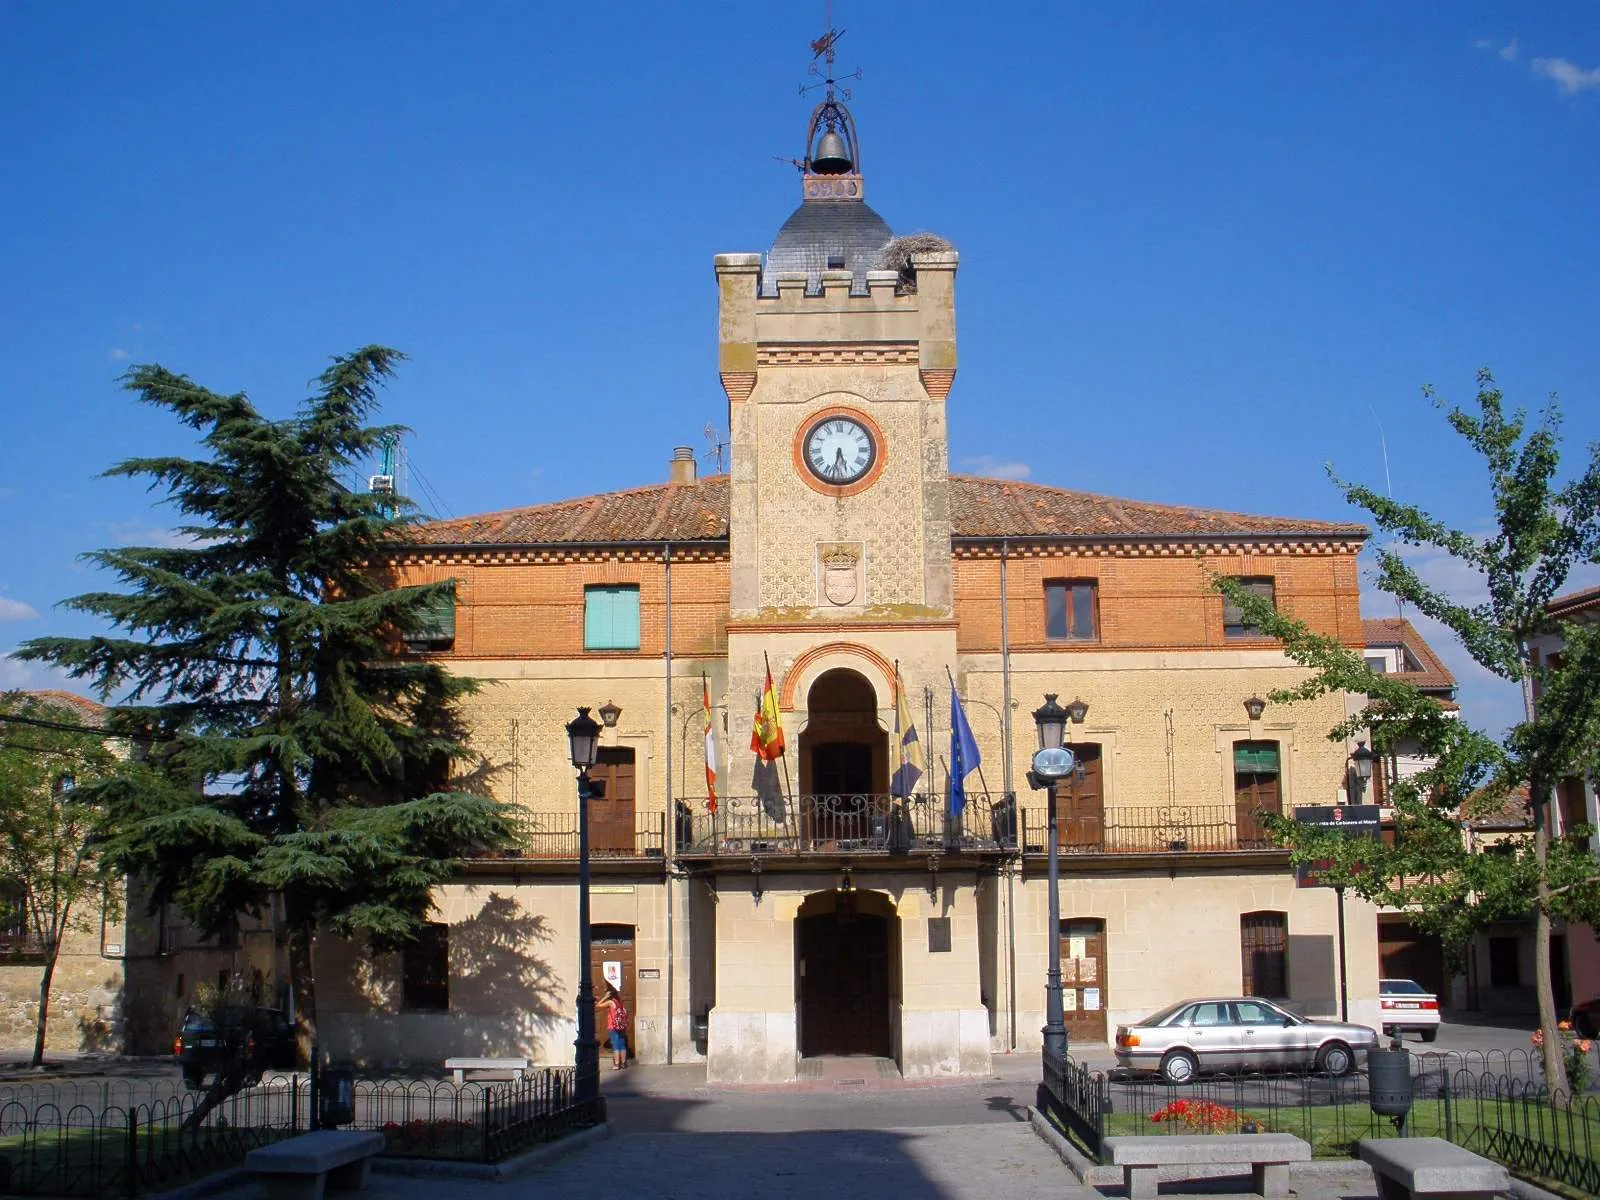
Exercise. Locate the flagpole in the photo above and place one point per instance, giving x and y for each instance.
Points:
(788, 787)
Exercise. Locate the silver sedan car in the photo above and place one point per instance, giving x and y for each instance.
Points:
(1238, 1034)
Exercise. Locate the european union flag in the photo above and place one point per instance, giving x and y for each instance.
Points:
(964, 756)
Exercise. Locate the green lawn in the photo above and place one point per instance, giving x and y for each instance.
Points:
(89, 1161)
(1334, 1130)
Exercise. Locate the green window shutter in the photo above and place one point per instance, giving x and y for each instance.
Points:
(438, 628)
(1258, 758)
(611, 617)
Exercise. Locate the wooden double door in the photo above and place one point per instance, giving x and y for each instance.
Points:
(611, 816)
(843, 982)
(1083, 979)
(1081, 804)
(611, 960)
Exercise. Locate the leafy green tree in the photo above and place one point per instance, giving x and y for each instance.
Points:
(294, 751)
(1454, 884)
(55, 883)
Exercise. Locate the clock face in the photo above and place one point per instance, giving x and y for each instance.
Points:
(839, 450)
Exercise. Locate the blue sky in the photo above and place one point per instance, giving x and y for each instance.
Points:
(1205, 248)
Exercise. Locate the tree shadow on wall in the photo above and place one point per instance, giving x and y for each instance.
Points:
(496, 975)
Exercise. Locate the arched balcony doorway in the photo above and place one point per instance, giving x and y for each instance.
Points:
(844, 765)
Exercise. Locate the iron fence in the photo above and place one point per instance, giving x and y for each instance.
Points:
(1493, 1103)
(1164, 829)
(150, 1140)
(554, 836)
(844, 823)
(1077, 1098)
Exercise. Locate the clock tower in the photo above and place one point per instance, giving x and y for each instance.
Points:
(837, 351)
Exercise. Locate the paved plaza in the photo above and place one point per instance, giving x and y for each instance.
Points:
(674, 1138)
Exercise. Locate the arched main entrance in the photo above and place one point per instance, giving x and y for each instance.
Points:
(847, 974)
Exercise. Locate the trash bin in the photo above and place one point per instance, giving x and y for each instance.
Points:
(337, 1097)
(1389, 1080)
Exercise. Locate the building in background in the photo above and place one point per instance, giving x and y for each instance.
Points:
(1574, 950)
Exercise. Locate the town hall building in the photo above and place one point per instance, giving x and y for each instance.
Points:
(826, 913)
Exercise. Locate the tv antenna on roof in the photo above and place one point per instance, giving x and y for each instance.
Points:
(715, 449)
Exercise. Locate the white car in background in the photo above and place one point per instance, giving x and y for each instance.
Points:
(1408, 1005)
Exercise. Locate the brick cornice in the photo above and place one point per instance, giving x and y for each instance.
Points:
(832, 354)
(937, 382)
(738, 385)
(1150, 548)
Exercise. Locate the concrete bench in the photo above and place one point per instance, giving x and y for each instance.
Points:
(460, 1066)
(1430, 1166)
(298, 1168)
(1268, 1156)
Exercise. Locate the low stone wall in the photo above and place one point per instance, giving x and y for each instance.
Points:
(85, 1003)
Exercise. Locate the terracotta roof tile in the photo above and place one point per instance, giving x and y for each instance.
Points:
(982, 507)
(86, 710)
(1573, 604)
(1432, 674)
(1509, 810)
(979, 508)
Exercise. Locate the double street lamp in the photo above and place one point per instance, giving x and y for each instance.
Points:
(1052, 763)
(583, 737)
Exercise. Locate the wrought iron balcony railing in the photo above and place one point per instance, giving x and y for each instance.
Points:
(553, 836)
(843, 823)
(1165, 829)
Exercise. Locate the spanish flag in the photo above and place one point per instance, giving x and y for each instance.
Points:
(766, 738)
(711, 747)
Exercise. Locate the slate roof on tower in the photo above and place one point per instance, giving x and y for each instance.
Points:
(980, 508)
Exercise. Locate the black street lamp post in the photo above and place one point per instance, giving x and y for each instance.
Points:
(1361, 760)
(1051, 763)
(583, 734)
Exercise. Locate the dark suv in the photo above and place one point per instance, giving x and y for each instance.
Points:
(259, 1039)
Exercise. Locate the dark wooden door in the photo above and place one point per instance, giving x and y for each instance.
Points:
(1083, 979)
(1264, 949)
(844, 985)
(1080, 803)
(611, 816)
(613, 944)
(1255, 790)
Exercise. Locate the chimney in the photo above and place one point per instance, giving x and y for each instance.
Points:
(682, 465)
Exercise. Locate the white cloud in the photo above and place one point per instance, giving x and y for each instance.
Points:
(118, 354)
(27, 676)
(16, 610)
(1570, 77)
(1507, 52)
(996, 468)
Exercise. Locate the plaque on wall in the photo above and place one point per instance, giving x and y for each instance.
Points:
(938, 935)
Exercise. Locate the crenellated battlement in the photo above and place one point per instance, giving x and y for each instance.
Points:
(795, 318)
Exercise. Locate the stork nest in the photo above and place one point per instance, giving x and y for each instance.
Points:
(896, 256)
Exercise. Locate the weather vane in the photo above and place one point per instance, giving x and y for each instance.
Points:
(822, 49)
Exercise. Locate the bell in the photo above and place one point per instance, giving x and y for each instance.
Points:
(832, 156)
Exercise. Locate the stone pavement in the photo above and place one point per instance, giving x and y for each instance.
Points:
(675, 1138)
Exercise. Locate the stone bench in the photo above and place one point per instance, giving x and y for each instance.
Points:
(1430, 1166)
(298, 1168)
(460, 1066)
(1268, 1156)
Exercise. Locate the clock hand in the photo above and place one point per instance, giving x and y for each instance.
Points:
(839, 468)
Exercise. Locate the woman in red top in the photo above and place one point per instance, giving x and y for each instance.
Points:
(616, 1026)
